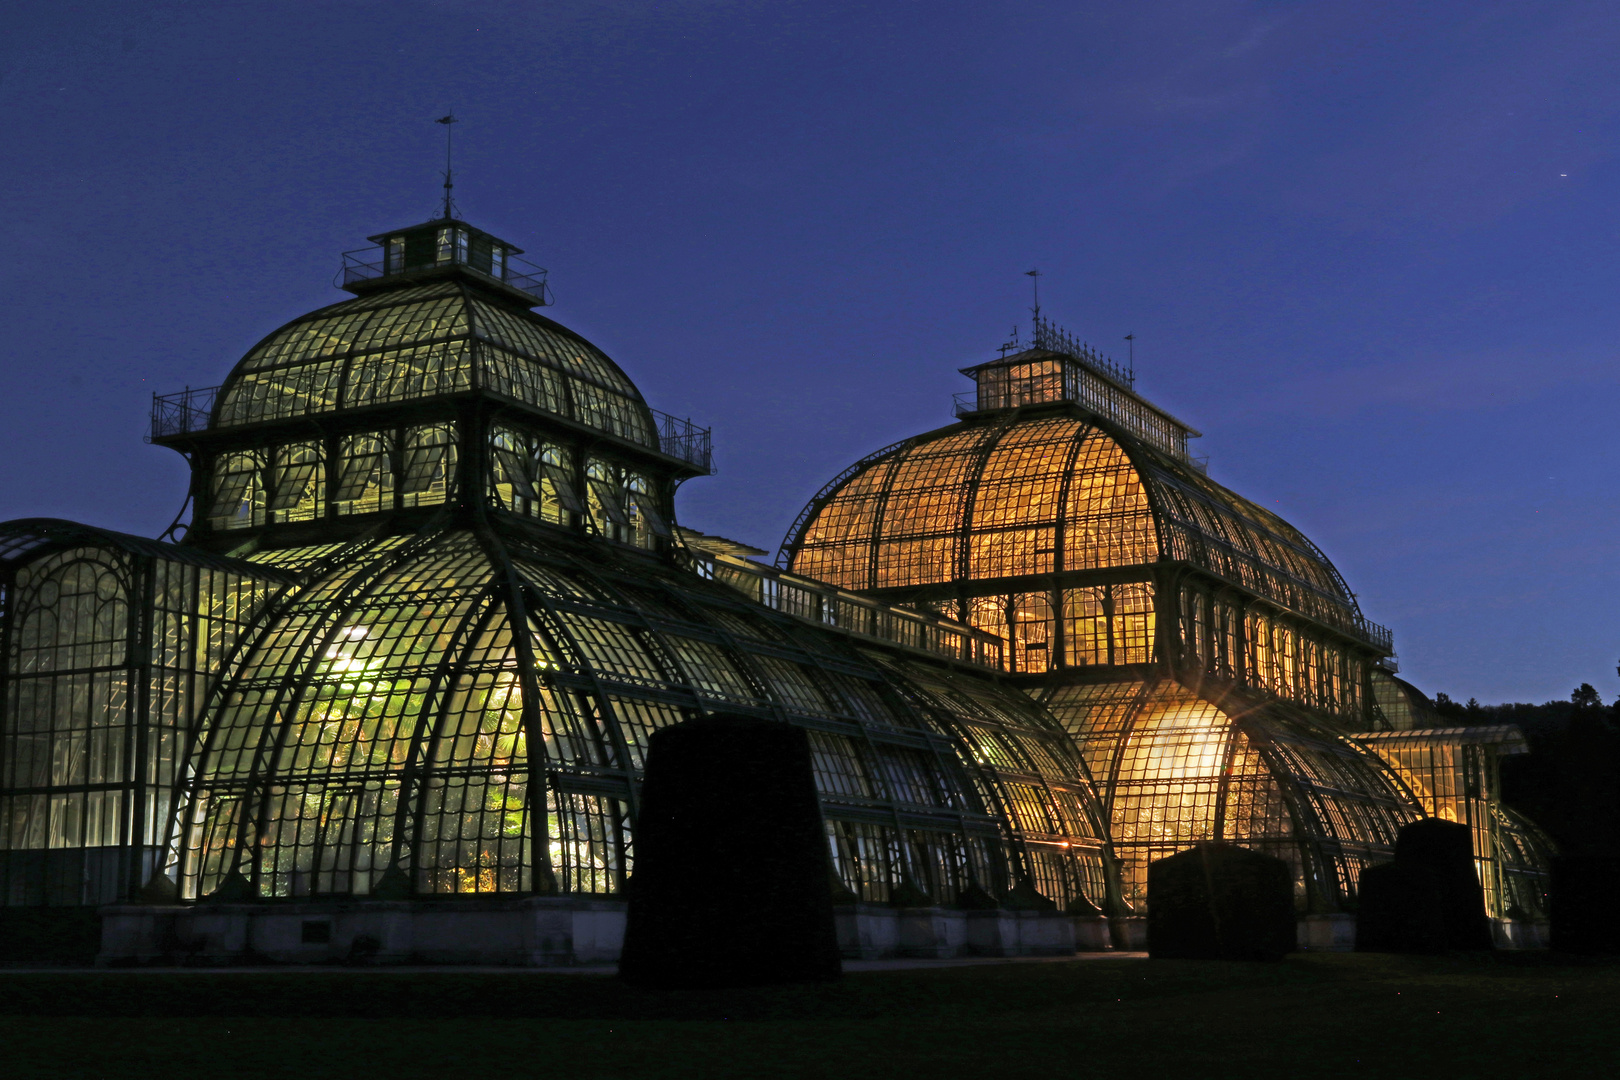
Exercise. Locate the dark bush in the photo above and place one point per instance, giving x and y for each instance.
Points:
(731, 883)
(52, 935)
(1429, 899)
(1220, 902)
(1446, 849)
(1398, 909)
(1582, 896)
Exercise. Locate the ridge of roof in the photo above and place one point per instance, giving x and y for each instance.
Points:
(23, 537)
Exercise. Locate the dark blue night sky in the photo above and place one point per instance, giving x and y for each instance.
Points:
(1369, 249)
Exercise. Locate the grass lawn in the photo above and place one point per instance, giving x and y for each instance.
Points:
(1315, 1015)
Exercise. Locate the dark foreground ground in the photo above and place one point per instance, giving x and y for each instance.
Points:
(1320, 1015)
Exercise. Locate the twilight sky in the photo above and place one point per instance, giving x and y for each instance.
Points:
(1369, 249)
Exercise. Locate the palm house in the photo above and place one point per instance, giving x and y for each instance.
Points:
(1210, 664)
(388, 693)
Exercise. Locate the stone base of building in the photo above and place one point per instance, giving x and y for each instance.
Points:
(1327, 933)
(876, 932)
(1520, 933)
(528, 932)
(558, 931)
(1128, 933)
(1337, 933)
(533, 932)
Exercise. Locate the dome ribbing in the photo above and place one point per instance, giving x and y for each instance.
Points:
(426, 341)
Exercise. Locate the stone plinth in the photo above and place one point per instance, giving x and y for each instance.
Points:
(1327, 933)
(526, 932)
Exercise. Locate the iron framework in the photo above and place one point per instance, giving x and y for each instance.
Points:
(464, 613)
(1204, 655)
(468, 712)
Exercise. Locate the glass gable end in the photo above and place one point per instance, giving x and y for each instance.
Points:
(112, 642)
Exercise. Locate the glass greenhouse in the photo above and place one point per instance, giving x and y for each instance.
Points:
(433, 599)
(1210, 664)
(430, 606)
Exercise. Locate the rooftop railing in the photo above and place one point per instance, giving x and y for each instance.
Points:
(1077, 373)
(182, 413)
(1010, 394)
(1049, 335)
(1067, 379)
(685, 440)
(847, 611)
(369, 264)
(189, 411)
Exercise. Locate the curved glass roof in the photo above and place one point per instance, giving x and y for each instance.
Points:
(1040, 495)
(26, 538)
(1175, 768)
(471, 712)
(1454, 773)
(425, 341)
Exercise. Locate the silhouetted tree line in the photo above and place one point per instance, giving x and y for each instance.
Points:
(1569, 783)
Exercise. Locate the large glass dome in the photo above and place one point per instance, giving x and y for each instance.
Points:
(1206, 658)
(1042, 495)
(433, 340)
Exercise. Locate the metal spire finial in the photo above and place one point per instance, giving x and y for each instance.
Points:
(1035, 276)
(449, 175)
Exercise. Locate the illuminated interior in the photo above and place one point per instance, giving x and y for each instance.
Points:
(1455, 773)
(379, 722)
(112, 641)
(1206, 658)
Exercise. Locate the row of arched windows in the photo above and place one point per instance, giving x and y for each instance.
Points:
(1078, 627)
(1115, 624)
(295, 481)
(1269, 653)
(537, 478)
(415, 466)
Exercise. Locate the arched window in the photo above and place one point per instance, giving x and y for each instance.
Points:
(1085, 625)
(297, 489)
(1131, 622)
(533, 477)
(365, 481)
(67, 710)
(610, 515)
(429, 465)
(1258, 638)
(236, 494)
(623, 506)
(1287, 660)
(510, 477)
(989, 613)
(554, 467)
(1194, 623)
(646, 522)
(1108, 624)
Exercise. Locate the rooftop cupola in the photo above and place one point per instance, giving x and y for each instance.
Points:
(434, 389)
(445, 248)
(1057, 368)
